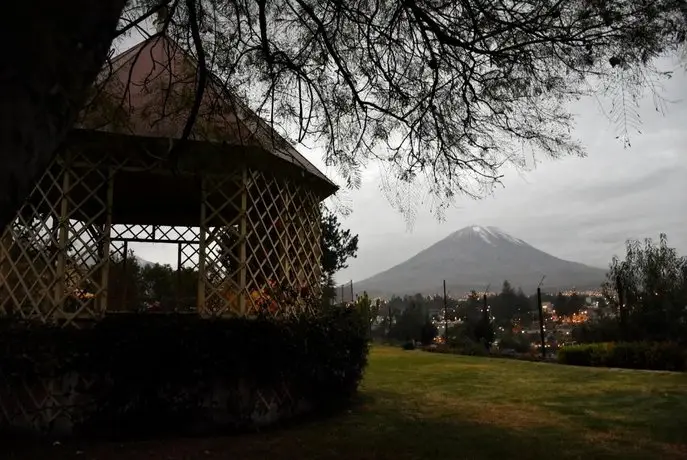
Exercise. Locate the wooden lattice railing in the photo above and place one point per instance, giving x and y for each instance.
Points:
(63, 256)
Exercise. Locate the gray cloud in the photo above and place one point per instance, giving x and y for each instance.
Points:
(581, 209)
(623, 189)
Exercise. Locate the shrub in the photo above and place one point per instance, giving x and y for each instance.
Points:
(631, 355)
(472, 331)
(152, 372)
(519, 343)
(597, 331)
(413, 323)
(473, 348)
(409, 345)
(428, 332)
(463, 345)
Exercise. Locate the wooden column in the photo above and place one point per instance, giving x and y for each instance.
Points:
(179, 301)
(105, 251)
(63, 240)
(5, 243)
(125, 287)
(202, 230)
(243, 231)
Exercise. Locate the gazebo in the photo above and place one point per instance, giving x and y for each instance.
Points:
(237, 202)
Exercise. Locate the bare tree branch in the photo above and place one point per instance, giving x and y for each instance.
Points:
(444, 93)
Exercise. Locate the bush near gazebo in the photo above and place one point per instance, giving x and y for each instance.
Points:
(143, 374)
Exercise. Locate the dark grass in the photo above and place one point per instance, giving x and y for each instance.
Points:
(416, 405)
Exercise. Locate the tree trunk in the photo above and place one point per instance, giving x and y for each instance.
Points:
(54, 52)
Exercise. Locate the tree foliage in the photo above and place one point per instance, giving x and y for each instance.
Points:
(568, 305)
(414, 324)
(446, 90)
(652, 283)
(338, 245)
(368, 310)
(517, 342)
(137, 287)
(604, 329)
(472, 333)
(510, 305)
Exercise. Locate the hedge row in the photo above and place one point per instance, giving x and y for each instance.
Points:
(630, 355)
(480, 350)
(154, 371)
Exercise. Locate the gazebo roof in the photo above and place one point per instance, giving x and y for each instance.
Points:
(148, 91)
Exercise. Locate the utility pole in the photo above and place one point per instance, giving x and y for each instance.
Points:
(485, 319)
(352, 298)
(377, 304)
(541, 320)
(445, 317)
(485, 307)
(343, 301)
(621, 308)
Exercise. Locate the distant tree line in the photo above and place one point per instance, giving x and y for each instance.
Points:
(135, 287)
(503, 312)
(338, 246)
(509, 306)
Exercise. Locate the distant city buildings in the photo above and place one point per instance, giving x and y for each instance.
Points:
(589, 294)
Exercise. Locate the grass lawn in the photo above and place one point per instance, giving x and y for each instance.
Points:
(417, 405)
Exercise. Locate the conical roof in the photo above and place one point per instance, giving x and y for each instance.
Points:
(149, 91)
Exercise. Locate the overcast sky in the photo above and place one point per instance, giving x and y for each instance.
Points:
(580, 209)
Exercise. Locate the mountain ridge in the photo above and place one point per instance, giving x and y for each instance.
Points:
(474, 257)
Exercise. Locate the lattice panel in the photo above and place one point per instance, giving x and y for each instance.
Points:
(283, 242)
(273, 403)
(258, 237)
(188, 255)
(223, 290)
(28, 259)
(155, 233)
(261, 239)
(53, 256)
(45, 404)
(56, 406)
(303, 236)
(127, 287)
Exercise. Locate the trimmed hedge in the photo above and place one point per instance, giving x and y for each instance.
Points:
(481, 351)
(666, 356)
(152, 372)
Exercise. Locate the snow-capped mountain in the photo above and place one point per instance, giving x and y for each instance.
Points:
(475, 257)
(143, 262)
